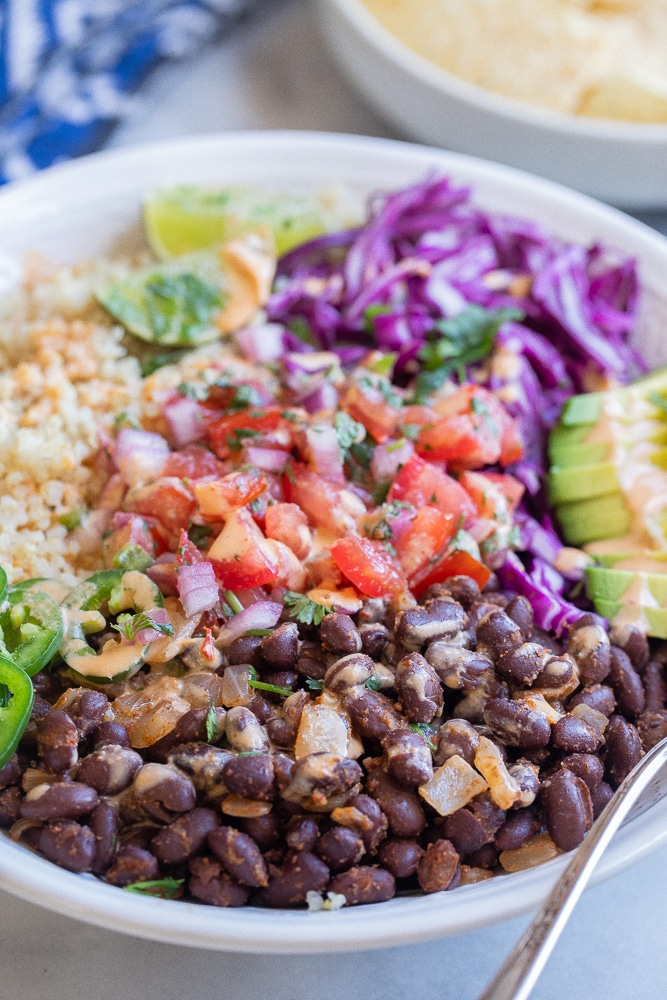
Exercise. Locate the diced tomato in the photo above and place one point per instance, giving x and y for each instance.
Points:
(421, 483)
(218, 497)
(193, 462)
(457, 563)
(368, 565)
(287, 523)
(365, 402)
(241, 556)
(473, 430)
(228, 434)
(135, 532)
(415, 416)
(291, 572)
(226, 397)
(168, 500)
(327, 505)
(427, 535)
(496, 495)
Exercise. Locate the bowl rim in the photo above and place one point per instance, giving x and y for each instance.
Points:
(428, 73)
(399, 921)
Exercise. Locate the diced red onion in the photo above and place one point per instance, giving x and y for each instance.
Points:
(262, 615)
(267, 459)
(324, 452)
(262, 343)
(140, 455)
(163, 574)
(184, 419)
(388, 458)
(324, 397)
(197, 588)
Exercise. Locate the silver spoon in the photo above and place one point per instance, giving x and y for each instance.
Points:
(523, 966)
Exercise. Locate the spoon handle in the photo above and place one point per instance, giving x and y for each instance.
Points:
(523, 966)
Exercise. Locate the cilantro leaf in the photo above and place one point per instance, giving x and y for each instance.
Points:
(348, 431)
(165, 888)
(425, 732)
(457, 342)
(303, 610)
(129, 626)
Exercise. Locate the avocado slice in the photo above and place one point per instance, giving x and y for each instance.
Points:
(593, 519)
(582, 482)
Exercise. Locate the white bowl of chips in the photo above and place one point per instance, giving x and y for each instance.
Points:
(547, 117)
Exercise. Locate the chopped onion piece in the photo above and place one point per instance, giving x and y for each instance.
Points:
(263, 614)
(140, 455)
(197, 588)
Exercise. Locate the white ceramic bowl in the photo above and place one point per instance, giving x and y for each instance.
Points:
(92, 207)
(623, 163)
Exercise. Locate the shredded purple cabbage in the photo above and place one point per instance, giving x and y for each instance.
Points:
(426, 253)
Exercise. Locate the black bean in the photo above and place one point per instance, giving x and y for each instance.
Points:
(10, 805)
(87, 710)
(498, 632)
(302, 833)
(68, 844)
(251, 777)
(60, 800)
(418, 688)
(441, 619)
(516, 724)
(655, 686)
(338, 634)
(517, 830)
(458, 668)
(340, 848)
(239, 855)
(409, 759)
(132, 864)
(457, 736)
(364, 884)
(569, 809)
(588, 644)
(246, 649)
(301, 873)
(57, 741)
(523, 663)
(104, 823)
(438, 867)
(110, 733)
(586, 766)
(624, 749)
(10, 774)
(185, 836)
(520, 610)
(209, 883)
(374, 638)
(163, 791)
(349, 673)
(280, 649)
(598, 696)
(401, 805)
(362, 814)
(627, 684)
(110, 769)
(400, 856)
(600, 796)
(574, 735)
(373, 714)
(633, 642)
(652, 727)
(266, 831)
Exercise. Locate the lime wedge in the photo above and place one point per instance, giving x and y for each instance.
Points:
(186, 218)
(174, 304)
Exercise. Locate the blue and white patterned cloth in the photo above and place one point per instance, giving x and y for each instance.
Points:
(69, 68)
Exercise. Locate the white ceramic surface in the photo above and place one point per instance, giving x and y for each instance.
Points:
(92, 206)
(623, 163)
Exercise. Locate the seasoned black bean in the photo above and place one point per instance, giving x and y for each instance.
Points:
(463, 589)
(458, 668)
(600, 796)
(474, 825)
(520, 610)
(409, 759)
(364, 884)
(210, 884)
(569, 809)
(318, 778)
(252, 776)
(522, 664)
(652, 727)
(598, 696)
(338, 634)
(110, 733)
(68, 844)
(586, 766)
(246, 649)
(240, 856)
(132, 864)
(588, 644)
(374, 638)
(419, 688)
(110, 769)
(301, 873)
(438, 867)
(185, 836)
(401, 805)
(633, 642)
(574, 735)
(627, 684)
(442, 618)
(57, 741)
(11, 773)
(302, 833)
(10, 805)
(655, 686)
(87, 709)
(400, 856)
(517, 830)
(244, 731)
(203, 764)
(624, 749)
(373, 714)
(498, 632)
(340, 848)
(516, 724)
(104, 823)
(60, 800)
(349, 673)
(457, 736)
(362, 814)
(280, 649)
(163, 791)
(266, 831)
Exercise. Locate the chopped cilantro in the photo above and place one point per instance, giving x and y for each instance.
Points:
(425, 732)
(129, 626)
(155, 361)
(303, 610)
(314, 685)
(165, 888)
(244, 396)
(374, 683)
(211, 723)
(73, 518)
(199, 534)
(348, 431)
